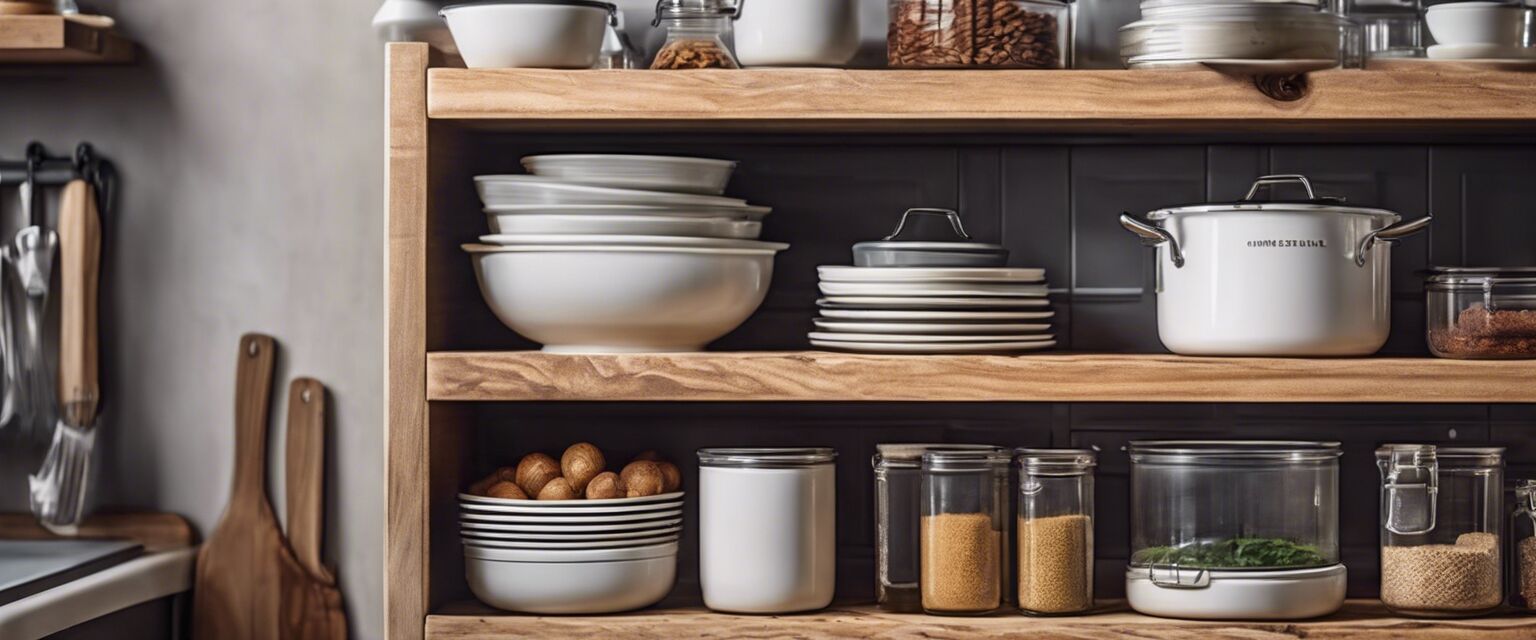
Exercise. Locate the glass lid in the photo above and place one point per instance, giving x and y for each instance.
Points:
(1477, 277)
(1312, 203)
(911, 455)
(1446, 456)
(1232, 452)
(964, 460)
(766, 457)
(1056, 461)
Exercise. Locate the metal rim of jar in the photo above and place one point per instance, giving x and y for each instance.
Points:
(1447, 457)
(1234, 452)
(1056, 462)
(766, 457)
(964, 461)
(910, 456)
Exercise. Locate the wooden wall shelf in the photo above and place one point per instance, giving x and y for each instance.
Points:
(53, 40)
(822, 376)
(1424, 98)
(1360, 620)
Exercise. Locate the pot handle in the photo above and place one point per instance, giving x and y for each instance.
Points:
(1152, 235)
(951, 214)
(1389, 234)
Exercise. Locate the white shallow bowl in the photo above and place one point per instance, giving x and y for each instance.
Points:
(721, 227)
(646, 502)
(627, 537)
(665, 549)
(1480, 52)
(656, 173)
(491, 35)
(582, 529)
(503, 190)
(515, 518)
(515, 543)
(1476, 23)
(837, 273)
(622, 299)
(634, 241)
(735, 212)
(571, 587)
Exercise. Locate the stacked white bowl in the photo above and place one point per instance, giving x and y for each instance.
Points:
(933, 310)
(621, 253)
(1480, 31)
(570, 556)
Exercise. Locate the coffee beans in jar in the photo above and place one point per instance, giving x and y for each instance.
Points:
(1020, 34)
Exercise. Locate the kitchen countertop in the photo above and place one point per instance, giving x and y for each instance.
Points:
(146, 578)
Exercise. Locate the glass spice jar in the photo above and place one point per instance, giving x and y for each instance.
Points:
(898, 500)
(963, 539)
(998, 34)
(1055, 530)
(696, 34)
(1482, 313)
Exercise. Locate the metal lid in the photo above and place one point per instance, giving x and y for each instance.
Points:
(666, 9)
(766, 457)
(942, 461)
(1312, 203)
(1233, 452)
(595, 4)
(914, 248)
(1049, 462)
(911, 455)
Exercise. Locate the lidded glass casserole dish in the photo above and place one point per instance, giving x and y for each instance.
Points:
(1482, 313)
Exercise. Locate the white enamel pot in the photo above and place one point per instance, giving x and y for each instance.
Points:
(1273, 278)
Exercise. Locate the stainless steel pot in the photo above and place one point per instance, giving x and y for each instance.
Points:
(1275, 277)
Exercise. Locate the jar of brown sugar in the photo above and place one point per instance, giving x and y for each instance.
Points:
(964, 531)
(1055, 530)
(1482, 313)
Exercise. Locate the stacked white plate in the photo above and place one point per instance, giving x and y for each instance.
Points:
(933, 310)
(570, 556)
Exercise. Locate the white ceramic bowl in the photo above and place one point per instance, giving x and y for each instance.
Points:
(734, 212)
(657, 173)
(628, 537)
(571, 587)
(628, 241)
(516, 518)
(572, 529)
(493, 35)
(480, 507)
(622, 299)
(1476, 23)
(502, 190)
(517, 543)
(721, 227)
(642, 503)
(665, 549)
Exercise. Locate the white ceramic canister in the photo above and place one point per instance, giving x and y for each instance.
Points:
(767, 529)
(1273, 278)
(797, 33)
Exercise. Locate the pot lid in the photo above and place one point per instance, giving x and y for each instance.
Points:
(961, 244)
(1312, 203)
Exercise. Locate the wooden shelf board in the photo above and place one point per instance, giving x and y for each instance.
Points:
(1428, 99)
(823, 376)
(59, 40)
(1359, 620)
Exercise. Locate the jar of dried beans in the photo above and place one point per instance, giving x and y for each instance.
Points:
(1016, 34)
(1482, 313)
(1523, 532)
(1442, 512)
(1055, 530)
(963, 535)
(696, 34)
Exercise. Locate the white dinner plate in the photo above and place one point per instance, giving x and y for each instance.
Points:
(497, 190)
(917, 338)
(834, 273)
(571, 504)
(519, 518)
(919, 302)
(660, 173)
(642, 241)
(625, 225)
(843, 326)
(968, 347)
(648, 507)
(492, 543)
(933, 316)
(936, 289)
(744, 212)
(566, 537)
(555, 528)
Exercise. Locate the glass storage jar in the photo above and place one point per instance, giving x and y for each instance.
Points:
(1055, 530)
(1235, 529)
(697, 31)
(963, 542)
(1390, 28)
(898, 500)
(767, 529)
(1482, 313)
(1441, 529)
(1015, 34)
(1523, 534)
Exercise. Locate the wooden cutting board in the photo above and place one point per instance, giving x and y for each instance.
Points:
(311, 602)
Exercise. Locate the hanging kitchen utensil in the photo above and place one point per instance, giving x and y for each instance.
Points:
(311, 603)
(59, 488)
(33, 248)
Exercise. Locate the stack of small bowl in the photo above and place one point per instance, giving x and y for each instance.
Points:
(619, 254)
(570, 556)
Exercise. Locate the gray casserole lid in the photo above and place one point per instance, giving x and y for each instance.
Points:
(891, 252)
(1312, 204)
(766, 457)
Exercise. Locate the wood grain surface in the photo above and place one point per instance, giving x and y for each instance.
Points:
(53, 39)
(1359, 620)
(156, 531)
(304, 468)
(79, 286)
(822, 376)
(1414, 98)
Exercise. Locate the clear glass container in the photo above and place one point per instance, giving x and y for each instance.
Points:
(898, 501)
(1482, 313)
(963, 540)
(1523, 534)
(697, 32)
(1055, 530)
(1441, 529)
(1002, 34)
(1390, 28)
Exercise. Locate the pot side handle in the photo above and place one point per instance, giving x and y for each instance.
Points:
(1152, 235)
(1389, 234)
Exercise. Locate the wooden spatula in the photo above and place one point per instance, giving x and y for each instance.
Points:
(311, 603)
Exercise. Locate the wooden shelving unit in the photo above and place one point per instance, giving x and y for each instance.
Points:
(57, 40)
(435, 113)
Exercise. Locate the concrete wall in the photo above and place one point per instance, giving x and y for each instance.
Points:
(250, 140)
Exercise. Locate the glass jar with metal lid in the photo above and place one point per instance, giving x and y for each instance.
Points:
(1018, 34)
(697, 31)
(1055, 530)
(767, 528)
(1442, 512)
(898, 500)
(1235, 529)
(964, 536)
(1523, 535)
(1482, 313)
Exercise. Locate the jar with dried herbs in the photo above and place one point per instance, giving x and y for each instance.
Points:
(1017, 34)
(696, 34)
(963, 539)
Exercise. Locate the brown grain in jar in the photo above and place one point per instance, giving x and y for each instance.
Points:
(1024, 34)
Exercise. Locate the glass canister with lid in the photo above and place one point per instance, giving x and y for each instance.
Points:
(963, 542)
(1523, 534)
(1055, 526)
(1442, 514)
(898, 501)
(1237, 530)
(697, 31)
(1018, 34)
(1482, 313)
